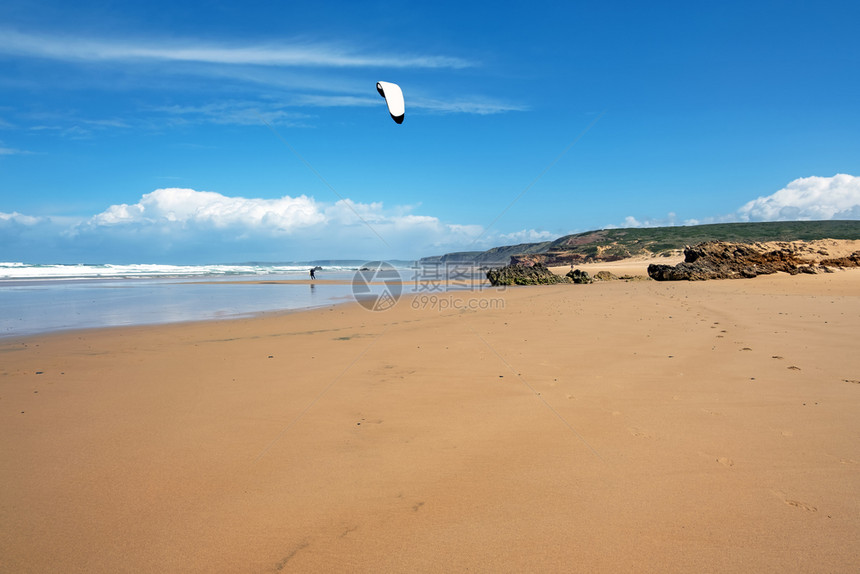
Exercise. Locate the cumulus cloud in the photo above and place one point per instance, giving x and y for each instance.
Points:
(178, 206)
(804, 199)
(807, 198)
(19, 218)
(187, 225)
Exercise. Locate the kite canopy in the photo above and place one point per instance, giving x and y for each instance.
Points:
(394, 98)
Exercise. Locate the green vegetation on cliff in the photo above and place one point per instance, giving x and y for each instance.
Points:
(610, 244)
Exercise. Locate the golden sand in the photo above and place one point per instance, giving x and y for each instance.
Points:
(614, 427)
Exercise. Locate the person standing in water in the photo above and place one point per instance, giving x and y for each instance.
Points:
(312, 274)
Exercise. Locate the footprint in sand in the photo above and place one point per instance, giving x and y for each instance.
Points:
(803, 505)
(280, 565)
(639, 433)
(794, 503)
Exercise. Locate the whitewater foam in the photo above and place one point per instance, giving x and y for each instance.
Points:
(18, 270)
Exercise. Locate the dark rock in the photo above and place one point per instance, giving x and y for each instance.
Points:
(605, 276)
(852, 260)
(536, 274)
(723, 260)
(579, 277)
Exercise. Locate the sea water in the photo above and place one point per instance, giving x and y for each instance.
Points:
(46, 298)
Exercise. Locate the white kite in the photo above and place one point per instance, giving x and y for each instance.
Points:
(394, 98)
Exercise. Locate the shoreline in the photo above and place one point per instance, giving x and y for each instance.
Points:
(30, 306)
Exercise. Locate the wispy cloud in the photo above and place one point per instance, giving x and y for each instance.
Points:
(480, 106)
(297, 54)
(72, 126)
(13, 151)
(327, 101)
(234, 112)
(528, 236)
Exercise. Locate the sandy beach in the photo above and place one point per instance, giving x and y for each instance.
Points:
(631, 267)
(614, 427)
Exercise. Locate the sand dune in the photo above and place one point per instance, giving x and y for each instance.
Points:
(615, 427)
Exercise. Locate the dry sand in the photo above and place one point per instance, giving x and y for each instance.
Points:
(631, 267)
(615, 427)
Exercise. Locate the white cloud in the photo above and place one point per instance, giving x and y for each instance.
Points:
(476, 105)
(806, 198)
(178, 206)
(337, 101)
(234, 113)
(19, 218)
(631, 221)
(296, 54)
(347, 212)
(13, 151)
(527, 236)
(189, 225)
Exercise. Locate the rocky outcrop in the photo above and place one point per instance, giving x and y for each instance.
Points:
(724, 260)
(536, 274)
(852, 260)
(605, 276)
(579, 277)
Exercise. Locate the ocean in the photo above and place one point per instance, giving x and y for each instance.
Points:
(46, 298)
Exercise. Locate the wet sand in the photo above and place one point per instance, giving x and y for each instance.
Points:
(614, 427)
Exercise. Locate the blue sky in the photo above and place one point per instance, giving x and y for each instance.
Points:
(211, 132)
